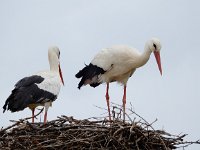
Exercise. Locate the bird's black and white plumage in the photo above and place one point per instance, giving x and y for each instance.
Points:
(90, 73)
(40, 89)
(117, 63)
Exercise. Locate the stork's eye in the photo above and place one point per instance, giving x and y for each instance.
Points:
(59, 54)
(154, 45)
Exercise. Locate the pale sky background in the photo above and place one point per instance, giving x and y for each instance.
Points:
(80, 28)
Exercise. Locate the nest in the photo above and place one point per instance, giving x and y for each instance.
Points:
(94, 133)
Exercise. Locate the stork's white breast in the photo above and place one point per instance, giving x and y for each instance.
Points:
(51, 83)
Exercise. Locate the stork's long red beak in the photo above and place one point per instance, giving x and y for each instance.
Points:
(61, 77)
(157, 56)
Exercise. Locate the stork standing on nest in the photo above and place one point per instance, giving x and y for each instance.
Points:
(40, 89)
(117, 63)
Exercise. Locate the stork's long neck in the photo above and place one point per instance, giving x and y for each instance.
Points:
(53, 62)
(144, 57)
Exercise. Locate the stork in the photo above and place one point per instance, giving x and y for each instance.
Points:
(39, 89)
(117, 63)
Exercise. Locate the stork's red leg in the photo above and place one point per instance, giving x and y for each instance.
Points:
(33, 110)
(107, 100)
(45, 117)
(124, 102)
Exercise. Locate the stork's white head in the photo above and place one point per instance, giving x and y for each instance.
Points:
(155, 46)
(54, 56)
(54, 50)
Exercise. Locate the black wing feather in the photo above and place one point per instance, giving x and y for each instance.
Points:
(89, 72)
(27, 92)
(28, 81)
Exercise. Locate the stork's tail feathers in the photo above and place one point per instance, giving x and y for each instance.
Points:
(17, 100)
(90, 75)
(5, 106)
(81, 72)
(9, 104)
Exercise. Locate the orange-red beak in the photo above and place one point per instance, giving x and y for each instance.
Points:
(157, 56)
(61, 77)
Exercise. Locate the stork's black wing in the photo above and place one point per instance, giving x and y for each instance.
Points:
(27, 92)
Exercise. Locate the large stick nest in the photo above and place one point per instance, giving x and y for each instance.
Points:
(94, 133)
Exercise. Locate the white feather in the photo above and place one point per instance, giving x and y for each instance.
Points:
(52, 82)
(119, 62)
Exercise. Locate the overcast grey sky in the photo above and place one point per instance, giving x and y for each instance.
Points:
(80, 28)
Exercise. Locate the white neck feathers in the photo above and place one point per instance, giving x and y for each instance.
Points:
(53, 61)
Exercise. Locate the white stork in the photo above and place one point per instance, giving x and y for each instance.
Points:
(117, 63)
(40, 89)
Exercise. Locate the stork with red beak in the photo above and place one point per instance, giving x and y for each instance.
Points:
(117, 63)
(39, 89)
